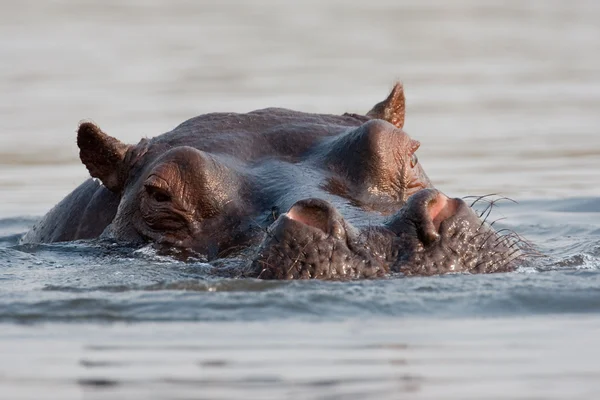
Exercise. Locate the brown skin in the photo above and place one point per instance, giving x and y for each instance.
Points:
(216, 184)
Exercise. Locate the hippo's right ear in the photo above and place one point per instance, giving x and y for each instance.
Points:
(103, 155)
(391, 109)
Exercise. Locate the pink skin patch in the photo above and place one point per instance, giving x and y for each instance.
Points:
(440, 209)
(311, 217)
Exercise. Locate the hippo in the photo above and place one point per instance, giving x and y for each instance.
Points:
(279, 194)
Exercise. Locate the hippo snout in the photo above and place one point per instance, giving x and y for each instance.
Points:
(431, 233)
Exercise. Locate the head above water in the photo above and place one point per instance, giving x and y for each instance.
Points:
(294, 195)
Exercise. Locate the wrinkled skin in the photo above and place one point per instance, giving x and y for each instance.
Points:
(286, 194)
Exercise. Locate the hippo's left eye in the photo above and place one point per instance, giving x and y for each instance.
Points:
(157, 194)
(413, 160)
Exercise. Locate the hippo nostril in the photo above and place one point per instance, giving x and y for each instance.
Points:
(424, 214)
(438, 208)
(441, 208)
(318, 214)
(311, 216)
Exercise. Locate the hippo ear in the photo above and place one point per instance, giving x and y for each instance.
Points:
(391, 109)
(103, 155)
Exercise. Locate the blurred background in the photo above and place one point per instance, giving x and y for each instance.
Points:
(503, 95)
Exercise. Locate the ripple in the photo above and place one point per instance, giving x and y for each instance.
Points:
(226, 285)
(102, 281)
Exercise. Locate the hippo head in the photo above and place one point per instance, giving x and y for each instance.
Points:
(357, 199)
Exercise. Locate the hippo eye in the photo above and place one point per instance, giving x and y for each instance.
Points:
(157, 194)
(413, 160)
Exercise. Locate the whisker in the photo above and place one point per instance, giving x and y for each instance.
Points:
(499, 238)
(478, 234)
(265, 229)
(510, 260)
(487, 209)
(478, 198)
(496, 220)
(297, 258)
(499, 232)
(490, 202)
(505, 239)
(267, 264)
(486, 240)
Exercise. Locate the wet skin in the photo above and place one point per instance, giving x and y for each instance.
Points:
(279, 194)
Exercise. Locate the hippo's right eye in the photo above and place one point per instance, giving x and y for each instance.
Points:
(157, 194)
(414, 160)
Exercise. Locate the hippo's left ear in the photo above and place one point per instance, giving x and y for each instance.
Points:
(103, 155)
(391, 109)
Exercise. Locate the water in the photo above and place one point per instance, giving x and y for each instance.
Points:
(503, 96)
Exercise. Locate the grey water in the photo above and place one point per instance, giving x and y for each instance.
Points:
(504, 97)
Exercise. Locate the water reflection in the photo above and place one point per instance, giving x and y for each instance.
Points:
(380, 359)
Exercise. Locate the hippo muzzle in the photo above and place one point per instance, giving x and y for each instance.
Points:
(431, 234)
